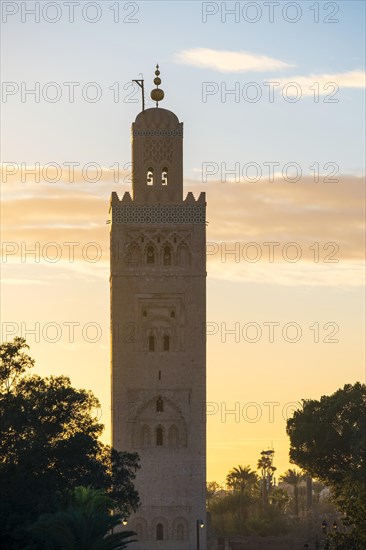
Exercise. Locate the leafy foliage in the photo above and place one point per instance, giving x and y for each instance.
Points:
(328, 440)
(87, 523)
(241, 479)
(294, 478)
(13, 362)
(49, 445)
(240, 510)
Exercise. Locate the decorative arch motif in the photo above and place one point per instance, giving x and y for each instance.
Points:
(139, 525)
(159, 528)
(159, 436)
(151, 343)
(145, 439)
(162, 327)
(180, 529)
(159, 531)
(169, 248)
(159, 404)
(166, 342)
(158, 150)
(173, 436)
(167, 255)
(150, 254)
(147, 420)
(133, 254)
(184, 256)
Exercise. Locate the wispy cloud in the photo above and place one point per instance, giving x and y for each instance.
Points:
(227, 61)
(324, 82)
(318, 217)
(239, 213)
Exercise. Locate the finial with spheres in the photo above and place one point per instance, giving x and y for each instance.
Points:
(157, 94)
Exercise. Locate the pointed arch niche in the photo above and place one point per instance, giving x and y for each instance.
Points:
(183, 256)
(159, 423)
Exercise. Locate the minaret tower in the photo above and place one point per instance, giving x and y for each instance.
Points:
(158, 320)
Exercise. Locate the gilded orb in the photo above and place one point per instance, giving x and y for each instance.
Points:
(157, 94)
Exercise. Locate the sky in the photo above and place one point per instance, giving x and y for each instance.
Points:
(272, 99)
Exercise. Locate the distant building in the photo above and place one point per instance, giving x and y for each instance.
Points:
(158, 320)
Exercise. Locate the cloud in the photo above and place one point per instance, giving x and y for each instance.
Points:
(260, 228)
(323, 84)
(25, 282)
(323, 221)
(22, 180)
(227, 61)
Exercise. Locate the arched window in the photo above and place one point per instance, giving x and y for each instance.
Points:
(180, 531)
(166, 343)
(132, 254)
(172, 313)
(145, 436)
(173, 436)
(159, 405)
(159, 531)
(159, 437)
(164, 176)
(151, 342)
(167, 260)
(184, 257)
(150, 255)
(150, 176)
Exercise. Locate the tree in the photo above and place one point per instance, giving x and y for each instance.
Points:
(86, 523)
(279, 498)
(294, 477)
(328, 440)
(13, 362)
(49, 444)
(243, 481)
(239, 512)
(265, 465)
(212, 488)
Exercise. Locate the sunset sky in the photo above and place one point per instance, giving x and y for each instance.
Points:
(284, 182)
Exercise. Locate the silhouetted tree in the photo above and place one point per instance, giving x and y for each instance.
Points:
(294, 477)
(243, 482)
(49, 444)
(328, 440)
(86, 523)
(265, 465)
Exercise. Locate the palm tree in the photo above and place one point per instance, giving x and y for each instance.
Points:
(85, 524)
(294, 478)
(265, 465)
(279, 498)
(242, 480)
